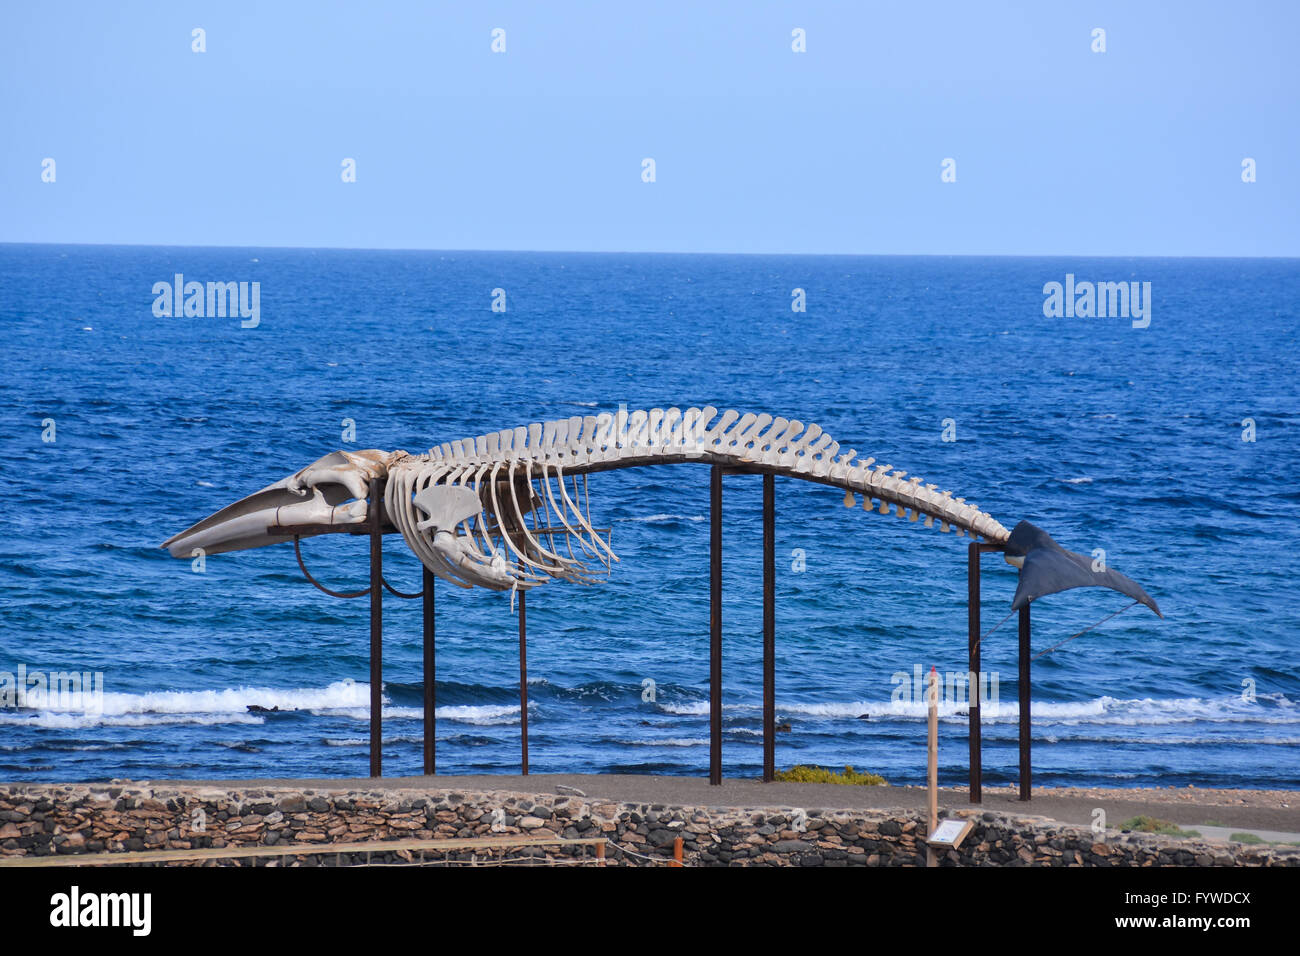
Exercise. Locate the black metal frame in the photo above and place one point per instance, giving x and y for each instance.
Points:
(376, 528)
(975, 549)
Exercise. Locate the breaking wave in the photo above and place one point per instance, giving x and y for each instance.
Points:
(1266, 709)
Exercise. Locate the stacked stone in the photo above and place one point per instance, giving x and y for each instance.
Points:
(44, 820)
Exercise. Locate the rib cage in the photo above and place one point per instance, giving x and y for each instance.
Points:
(519, 476)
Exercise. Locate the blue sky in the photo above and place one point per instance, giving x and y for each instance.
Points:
(1059, 150)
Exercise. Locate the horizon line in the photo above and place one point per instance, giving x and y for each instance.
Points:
(657, 252)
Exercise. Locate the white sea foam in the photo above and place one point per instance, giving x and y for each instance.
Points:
(666, 742)
(345, 698)
(365, 741)
(228, 705)
(1269, 709)
(1137, 712)
(56, 721)
(835, 709)
(486, 715)
(661, 518)
(696, 709)
(483, 715)
(1169, 741)
(233, 700)
(351, 700)
(363, 713)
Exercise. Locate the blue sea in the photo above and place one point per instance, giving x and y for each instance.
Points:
(1130, 440)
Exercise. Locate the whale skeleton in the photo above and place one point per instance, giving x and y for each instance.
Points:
(510, 510)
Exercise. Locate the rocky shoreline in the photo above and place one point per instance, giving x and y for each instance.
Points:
(71, 819)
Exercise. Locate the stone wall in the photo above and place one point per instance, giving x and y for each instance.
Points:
(41, 820)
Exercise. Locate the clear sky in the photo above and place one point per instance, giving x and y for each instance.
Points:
(1058, 149)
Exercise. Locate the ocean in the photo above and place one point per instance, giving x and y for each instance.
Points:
(1172, 447)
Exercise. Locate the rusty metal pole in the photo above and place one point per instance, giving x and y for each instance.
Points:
(769, 628)
(523, 683)
(932, 763)
(1025, 782)
(376, 517)
(715, 626)
(973, 664)
(430, 671)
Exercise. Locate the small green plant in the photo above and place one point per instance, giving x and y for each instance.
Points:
(1245, 838)
(1153, 825)
(806, 774)
(1213, 823)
